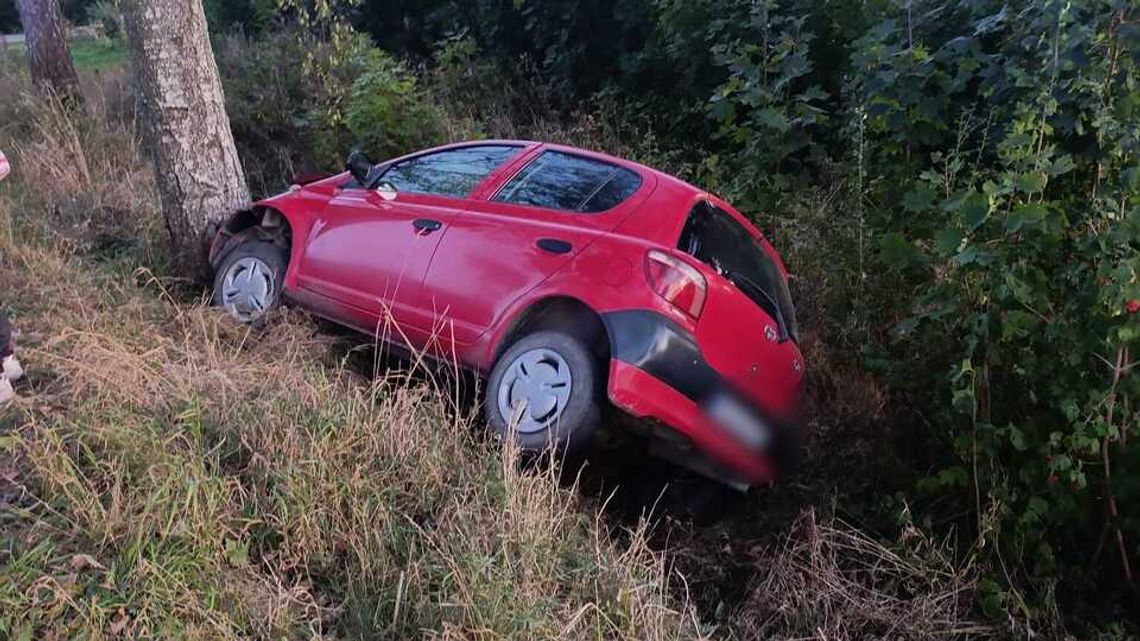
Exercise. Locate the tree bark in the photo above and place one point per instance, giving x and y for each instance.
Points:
(49, 54)
(199, 175)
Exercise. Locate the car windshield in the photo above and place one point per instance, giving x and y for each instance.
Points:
(712, 236)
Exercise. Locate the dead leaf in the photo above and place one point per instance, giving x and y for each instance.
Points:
(119, 622)
(81, 561)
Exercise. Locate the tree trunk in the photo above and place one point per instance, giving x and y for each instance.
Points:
(196, 164)
(49, 54)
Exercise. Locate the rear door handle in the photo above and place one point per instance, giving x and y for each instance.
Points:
(554, 246)
(426, 225)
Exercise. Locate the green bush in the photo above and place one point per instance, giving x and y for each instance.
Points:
(767, 108)
(269, 101)
(299, 104)
(250, 16)
(1009, 208)
(386, 112)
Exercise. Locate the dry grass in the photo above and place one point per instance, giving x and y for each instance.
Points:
(831, 581)
(230, 483)
(80, 180)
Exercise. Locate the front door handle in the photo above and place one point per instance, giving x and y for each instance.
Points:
(426, 225)
(554, 246)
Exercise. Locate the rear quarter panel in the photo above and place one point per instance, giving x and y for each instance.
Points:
(608, 274)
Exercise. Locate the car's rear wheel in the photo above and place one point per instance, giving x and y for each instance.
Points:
(249, 279)
(545, 391)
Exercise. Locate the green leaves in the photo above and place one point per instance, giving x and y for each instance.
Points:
(767, 106)
(948, 241)
(1031, 182)
(1026, 216)
(1013, 201)
(1061, 165)
(1017, 324)
(771, 118)
(900, 254)
(386, 111)
(955, 477)
(971, 208)
(973, 255)
(1036, 510)
(919, 199)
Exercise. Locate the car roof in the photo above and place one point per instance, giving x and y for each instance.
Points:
(687, 191)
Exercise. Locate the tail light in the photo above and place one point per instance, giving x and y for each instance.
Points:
(676, 281)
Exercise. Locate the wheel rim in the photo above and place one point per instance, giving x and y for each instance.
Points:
(537, 385)
(247, 288)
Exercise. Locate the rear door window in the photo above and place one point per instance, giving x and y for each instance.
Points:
(715, 238)
(566, 182)
(453, 172)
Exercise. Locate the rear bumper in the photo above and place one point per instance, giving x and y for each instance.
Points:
(657, 371)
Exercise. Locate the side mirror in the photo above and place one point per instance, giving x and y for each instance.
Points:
(360, 166)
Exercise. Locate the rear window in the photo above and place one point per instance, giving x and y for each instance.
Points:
(713, 236)
(567, 182)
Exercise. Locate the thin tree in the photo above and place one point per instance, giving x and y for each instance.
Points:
(49, 54)
(199, 175)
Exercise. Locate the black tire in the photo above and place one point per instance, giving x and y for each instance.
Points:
(274, 257)
(574, 428)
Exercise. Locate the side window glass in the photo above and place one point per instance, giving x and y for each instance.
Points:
(614, 192)
(566, 182)
(455, 172)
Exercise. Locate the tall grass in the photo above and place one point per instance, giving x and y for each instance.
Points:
(79, 180)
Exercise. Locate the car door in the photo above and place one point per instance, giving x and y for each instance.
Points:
(504, 245)
(370, 248)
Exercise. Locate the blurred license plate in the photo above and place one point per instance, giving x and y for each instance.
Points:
(740, 420)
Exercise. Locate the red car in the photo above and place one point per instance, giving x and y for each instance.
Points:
(566, 277)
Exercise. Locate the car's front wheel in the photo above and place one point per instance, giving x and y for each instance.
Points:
(249, 279)
(546, 391)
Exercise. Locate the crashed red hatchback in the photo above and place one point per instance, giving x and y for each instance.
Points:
(567, 278)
